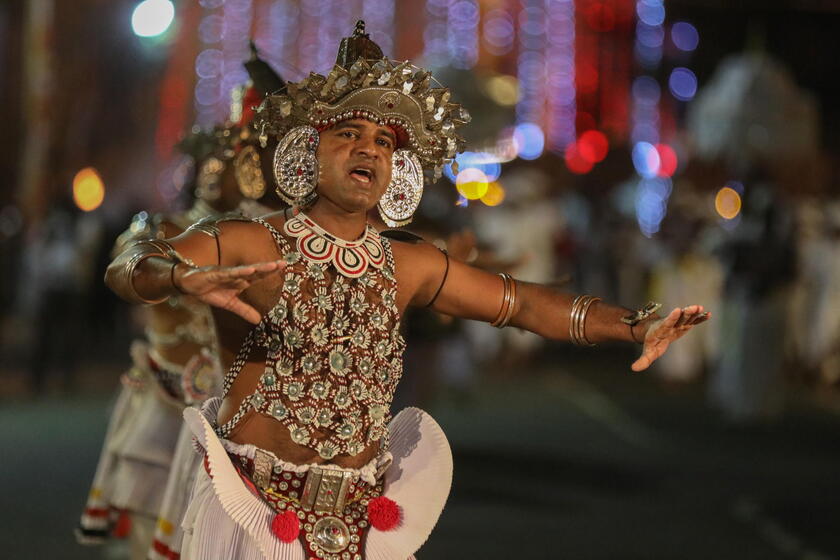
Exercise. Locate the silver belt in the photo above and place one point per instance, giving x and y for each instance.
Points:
(324, 491)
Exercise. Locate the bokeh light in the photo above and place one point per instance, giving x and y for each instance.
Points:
(495, 194)
(651, 37)
(646, 159)
(593, 146)
(584, 121)
(646, 90)
(651, 13)
(88, 189)
(684, 36)
(600, 17)
(667, 160)
(483, 161)
(575, 162)
(208, 63)
(683, 84)
(498, 32)
(504, 90)
(152, 17)
(652, 203)
(728, 203)
(472, 183)
(463, 19)
(529, 139)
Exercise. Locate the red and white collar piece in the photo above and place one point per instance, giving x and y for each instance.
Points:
(350, 258)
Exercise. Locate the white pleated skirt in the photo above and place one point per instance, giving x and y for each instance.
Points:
(226, 520)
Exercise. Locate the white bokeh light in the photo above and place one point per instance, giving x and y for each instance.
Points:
(152, 17)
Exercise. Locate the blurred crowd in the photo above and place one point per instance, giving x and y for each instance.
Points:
(751, 232)
(771, 276)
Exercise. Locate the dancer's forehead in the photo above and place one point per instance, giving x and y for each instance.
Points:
(389, 132)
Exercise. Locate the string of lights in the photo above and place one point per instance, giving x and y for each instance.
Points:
(560, 62)
(653, 189)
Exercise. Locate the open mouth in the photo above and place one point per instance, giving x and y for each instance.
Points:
(362, 175)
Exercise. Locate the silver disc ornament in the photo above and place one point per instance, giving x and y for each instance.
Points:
(402, 197)
(331, 534)
(295, 165)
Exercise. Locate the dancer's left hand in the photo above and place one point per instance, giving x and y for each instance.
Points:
(662, 332)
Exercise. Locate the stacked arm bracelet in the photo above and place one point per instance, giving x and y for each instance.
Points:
(577, 319)
(123, 283)
(508, 302)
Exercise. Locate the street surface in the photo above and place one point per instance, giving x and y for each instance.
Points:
(579, 459)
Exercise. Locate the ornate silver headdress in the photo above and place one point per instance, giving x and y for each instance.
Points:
(365, 84)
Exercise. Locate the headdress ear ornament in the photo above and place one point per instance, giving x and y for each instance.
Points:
(295, 165)
(402, 197)
(208, 181)
(248, 172)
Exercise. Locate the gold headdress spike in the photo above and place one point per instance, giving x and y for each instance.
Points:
(357, 46)
(365, 84)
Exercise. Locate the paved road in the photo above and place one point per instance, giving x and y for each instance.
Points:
(580, 462)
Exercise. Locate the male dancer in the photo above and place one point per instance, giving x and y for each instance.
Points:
(175, 364)
(234, 163)
(300, 460)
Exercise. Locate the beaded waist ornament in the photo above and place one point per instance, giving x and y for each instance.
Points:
(328, 509)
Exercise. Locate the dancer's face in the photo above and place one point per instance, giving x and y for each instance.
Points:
(354, 159)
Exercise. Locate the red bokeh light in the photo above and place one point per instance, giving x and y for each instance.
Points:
(586, 78)
(600, 17)
(575, 161)
(593, 146)
(667, 160)
(584, 121)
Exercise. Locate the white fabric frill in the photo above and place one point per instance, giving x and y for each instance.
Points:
(225, 519)
(138, 448)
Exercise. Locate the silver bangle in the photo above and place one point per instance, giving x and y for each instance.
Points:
(129, 276)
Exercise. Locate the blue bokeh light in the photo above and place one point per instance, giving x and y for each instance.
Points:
(482, 161)
(652, 203)
(683, 84)
(646, 90)
(685, 36)
(651, 37)
(530, 140)
(646, 159)
(651, 13)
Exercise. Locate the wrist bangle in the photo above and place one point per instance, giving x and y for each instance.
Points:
(172, 279)
(577, 319)
(128, 272)
(508, 302)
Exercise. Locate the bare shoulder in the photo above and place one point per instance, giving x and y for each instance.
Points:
(227, 241)
(419, 269)
(414, 251)
(247, 241)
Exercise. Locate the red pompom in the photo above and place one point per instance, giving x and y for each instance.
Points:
(122, 529)
(384, 514)
(286, 526)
